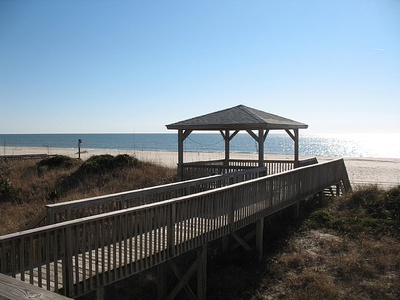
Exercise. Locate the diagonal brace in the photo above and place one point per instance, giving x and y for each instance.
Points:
(183, 279)
(241, 241)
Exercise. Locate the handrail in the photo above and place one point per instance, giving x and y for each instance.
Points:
(203, 168)
(80, 255)
(64, 211)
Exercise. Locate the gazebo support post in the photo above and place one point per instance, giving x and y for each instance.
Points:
(227, 144)
(182, 135)
(260, 147)
(260, 139)
(227, 138)
(295, 138)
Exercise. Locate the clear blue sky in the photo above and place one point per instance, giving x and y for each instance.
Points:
(72, 66)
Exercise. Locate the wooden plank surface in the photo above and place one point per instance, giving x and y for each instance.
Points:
(129, 241)
(14, 289)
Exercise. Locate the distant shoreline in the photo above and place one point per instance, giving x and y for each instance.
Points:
(384, 172)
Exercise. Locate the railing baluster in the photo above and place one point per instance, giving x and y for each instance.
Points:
(147, 235)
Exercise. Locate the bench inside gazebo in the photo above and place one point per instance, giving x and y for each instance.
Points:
(229, 122)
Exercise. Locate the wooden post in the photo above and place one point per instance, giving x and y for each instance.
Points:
(259, 237)
(180, 154)
(296, 148)
(296, 210)
(171, 231)
(225, 243)
(295, 138)
(162, 281)
(260, 148)
(79, 148)
(100, 293)
(202, 273)
(227, 147)
(67, 268)
(182, 135)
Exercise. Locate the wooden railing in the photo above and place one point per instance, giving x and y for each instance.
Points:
(64, 211)
(78, 256)
(207, 168)
(23, 156)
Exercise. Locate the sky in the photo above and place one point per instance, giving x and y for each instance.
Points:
(70, 66)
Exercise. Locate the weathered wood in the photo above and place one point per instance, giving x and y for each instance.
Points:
(14, 289)
(81, 255)
(207, 168)
(24, 156)
(65, 211)
(259, 237)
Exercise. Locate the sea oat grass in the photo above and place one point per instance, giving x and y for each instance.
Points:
(346, 250)
(31, 184)
(346, 247)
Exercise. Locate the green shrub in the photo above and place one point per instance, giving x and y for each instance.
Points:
(366, 196)
(106, 162)
(392, 202)
(319, 218)
(369, 210)
(55, 194)
(8, 192)
(55, 162)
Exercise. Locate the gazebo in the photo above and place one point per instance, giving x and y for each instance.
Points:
(230, 122)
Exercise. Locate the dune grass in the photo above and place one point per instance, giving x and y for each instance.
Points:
(26, 186)
(342, 248)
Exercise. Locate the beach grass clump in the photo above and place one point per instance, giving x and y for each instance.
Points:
(56, 162)
(348, 249)
(367, 210)
(8, 192)
(106, 162)
(60, 179)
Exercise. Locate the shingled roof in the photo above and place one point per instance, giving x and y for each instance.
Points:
(238, 118)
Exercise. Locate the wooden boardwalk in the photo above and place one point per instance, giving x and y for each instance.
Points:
(82, 255)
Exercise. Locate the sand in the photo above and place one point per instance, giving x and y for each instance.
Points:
(384, 172)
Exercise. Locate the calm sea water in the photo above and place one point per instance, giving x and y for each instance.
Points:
(383, 145)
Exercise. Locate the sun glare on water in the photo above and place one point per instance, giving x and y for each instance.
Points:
(362, 145)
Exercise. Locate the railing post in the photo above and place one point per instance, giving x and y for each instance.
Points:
(259, 237)
(50, 215)
(67, 262)
(171, 230)
(3, 258)
(231, 211)
(162, 281)
(202, 272)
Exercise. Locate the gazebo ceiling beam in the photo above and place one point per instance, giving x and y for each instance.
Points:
(226, 134)
(290, 134)
(265, 134)
(227, 138)
(186, 133)
(255, 137)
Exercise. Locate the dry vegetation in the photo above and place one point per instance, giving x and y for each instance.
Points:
(26, 186)
(343, 248)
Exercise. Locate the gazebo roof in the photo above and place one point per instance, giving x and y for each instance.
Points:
(238, 118)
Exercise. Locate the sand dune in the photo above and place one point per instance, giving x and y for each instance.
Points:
(362, 170)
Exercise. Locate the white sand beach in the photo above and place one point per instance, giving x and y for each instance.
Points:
(384, 172)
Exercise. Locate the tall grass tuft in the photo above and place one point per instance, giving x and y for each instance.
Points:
(27, 186)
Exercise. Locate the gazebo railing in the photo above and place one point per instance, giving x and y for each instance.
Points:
(207, 168)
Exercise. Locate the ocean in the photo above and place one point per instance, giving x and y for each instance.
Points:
(372, 145)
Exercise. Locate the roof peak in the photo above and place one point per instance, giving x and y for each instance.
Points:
(239, 117)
